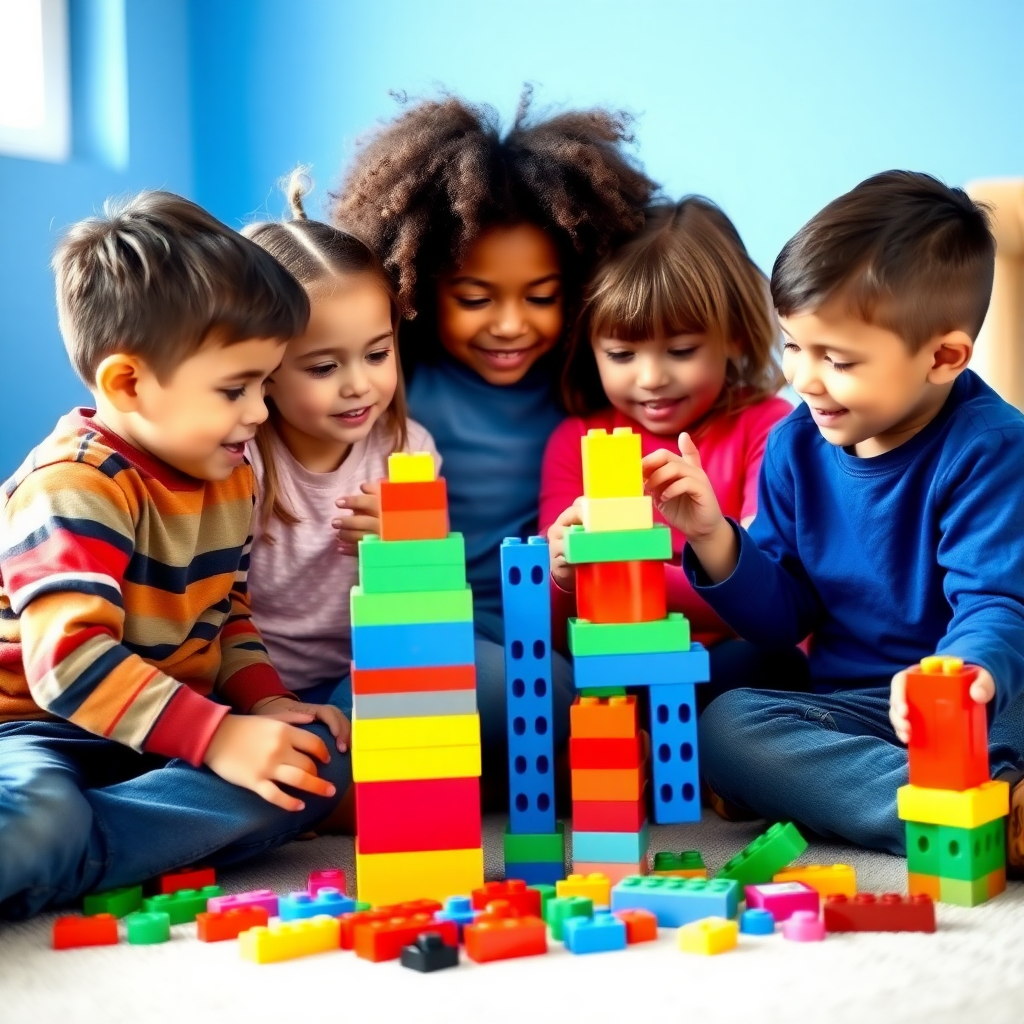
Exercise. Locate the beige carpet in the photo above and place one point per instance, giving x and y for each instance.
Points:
(971, 970)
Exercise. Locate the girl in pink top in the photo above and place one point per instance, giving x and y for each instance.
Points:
(677, 337)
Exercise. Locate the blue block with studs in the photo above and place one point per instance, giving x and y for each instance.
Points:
(654, 670)
(675, 781)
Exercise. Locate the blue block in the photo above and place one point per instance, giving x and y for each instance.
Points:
(757, 921)
(460, 910)
(675, 778)
(413, 645)
(611, 847)
(539, 873)
(677, 901)
(654, 670)
(598, 934)
(299, 905)
(526, 600)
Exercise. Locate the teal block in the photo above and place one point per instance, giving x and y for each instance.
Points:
(610, 847)
(665, 636)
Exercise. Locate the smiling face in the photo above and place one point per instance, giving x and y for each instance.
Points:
(501, 310)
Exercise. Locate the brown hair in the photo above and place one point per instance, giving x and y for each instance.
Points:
(904, 251)
(313, 252)
(155, 274)
(687, 271)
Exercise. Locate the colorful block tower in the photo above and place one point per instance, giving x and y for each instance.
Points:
(956, 832)
(534, 841)
(624, 635)
(415, 725)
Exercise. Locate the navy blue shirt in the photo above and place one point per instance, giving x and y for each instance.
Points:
(887, 560)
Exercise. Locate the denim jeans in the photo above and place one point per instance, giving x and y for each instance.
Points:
(831, 762)
(79, 814)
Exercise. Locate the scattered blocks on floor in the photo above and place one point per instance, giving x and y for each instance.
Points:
(757, 922)
(502, 938)
(765, 856)
(73, 932)
(677, 901)
(221, 925)
(709, 936)
(833, 880)
(804, 926)
(265, 898)
(326, 878)
(460, 910)
(148, 928)
(615, 872)
(522, 899)
(782, 899)
(889, 912)
(601, 933)
(290, 940)
(117, 902)
(688, 864)
(384, 940)
(188, 878)
(300, 905)
(641, 925)
(595, 886)
(183, 905)
(350, 922)
(429, 953)
(561, 908)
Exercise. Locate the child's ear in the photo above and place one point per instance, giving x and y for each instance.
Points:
(951, 354)
(117, 379)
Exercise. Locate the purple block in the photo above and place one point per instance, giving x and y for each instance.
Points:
(264, 898)
(782, 899)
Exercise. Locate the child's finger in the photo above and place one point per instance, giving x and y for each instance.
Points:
(291, 717)
(668, 475)
(278, 797)
(309, 743)
(983, 689)
(371, 487)
(653, 462)
(359, 502)
(688, 450)
(306, 781)
(360, 525)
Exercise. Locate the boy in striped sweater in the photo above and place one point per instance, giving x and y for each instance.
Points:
(142, 726)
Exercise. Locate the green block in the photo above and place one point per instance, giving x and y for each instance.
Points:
(653, 545)
(768, 854)
(360, 905)
(963, 893)
(561, 907)
(412, 579)
(963, 854)
(603, 691)
(688, 860)
(533, 848)
(411, 606)
(406, 554)
(118, 902)
(663, 636)
(182, 906)
(547, 894)
(147, 928)
(922, 848)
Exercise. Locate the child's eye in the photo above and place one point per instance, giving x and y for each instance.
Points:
(543, 300)
(839, 367)
(619, 356)
(233, 394)
(379, 357)
(468, 303)
(682, 353)
(790, 347)
(321, 370)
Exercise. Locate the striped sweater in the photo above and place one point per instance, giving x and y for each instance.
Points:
(123, 598)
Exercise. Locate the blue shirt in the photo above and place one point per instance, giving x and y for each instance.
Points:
(492, 442)
(889, 559)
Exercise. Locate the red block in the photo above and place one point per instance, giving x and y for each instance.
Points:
(216, 926)
(502, 938)
(641, 925)
(349, 922)
(72, 932)
(621, 591)
(427, 524)
(604, 753)
(889, 912)
(413, 680)
(414, 496)
(192, 878)
(383, 940)
(522, 900)
(422, 814)
(948, 746)
(609, 815)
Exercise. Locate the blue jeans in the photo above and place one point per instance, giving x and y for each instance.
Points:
(831, 762)
(79, 814)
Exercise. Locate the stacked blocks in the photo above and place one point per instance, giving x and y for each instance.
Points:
(534, 842)
(956, 835)
(624, 635)
(415, 726)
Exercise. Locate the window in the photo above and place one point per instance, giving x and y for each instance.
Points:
(35, 117)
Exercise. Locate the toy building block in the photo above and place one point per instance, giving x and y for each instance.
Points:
(609, 815)
(460, 910)
(289, 940)
(611, 463)
(924, 885)
(415, 733)
(654, 545)
(602, 933)
(418, 496)
(426, 524)
(621, 847)
(148, 929)
(118, 902)
(221, 925)
(626, 752)
(265, 898)
(709, 936)
(957, 891)
(650, 670)
(411, 579)
(326, 878)
(412, 645)
(677, 901)
(410, 467)
(561, 908)
(603, 718)
(188, 878)
(889, 912)
(502, 938)
(607, 783)
(413, 705)
(948, 746)
(641, 925)
(425, 679)
(407, 555)
(613, 871)
(378, 941)
(183, 905)
(757, 922)
(547, 893)
(72, 932)
(596, 887)
(536, 873)
(415, 763)
(602, 691)
(621, 591)
(782, 899)
(601, 515)
(959, 853)
(593, 639)
(804, 926)
(837, 879)
(688, 864)
(436, 874)
(349, 922)
(411, 607)
(675, 780)
(765, 856)
(965, 809)
(516, 893)
(299, 905)
(528, 848)
(429, 953)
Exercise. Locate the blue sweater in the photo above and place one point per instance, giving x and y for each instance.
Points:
(491, 441)
(888, 559)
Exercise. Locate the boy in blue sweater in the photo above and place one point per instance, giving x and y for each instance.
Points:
(890, 520)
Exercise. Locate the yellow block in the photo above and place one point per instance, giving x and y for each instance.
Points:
(425, 731)
(595, 886)
(941, 665)
(839, 879)
(290, 939)
(968, 808)
(611, 464)
(410, 467)
(709, 936)
(383, 878)
(416, 763)
(603, 514)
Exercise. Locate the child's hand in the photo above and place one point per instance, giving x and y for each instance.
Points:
(360, 517)
(262, 754)
(285, 709)
(983, 689)
(561, 572)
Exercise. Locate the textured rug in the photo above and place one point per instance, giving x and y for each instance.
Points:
(971, 969)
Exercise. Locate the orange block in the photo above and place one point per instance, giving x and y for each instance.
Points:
(413, 680)
(494, 937)
(426, 524)
(923, 885)
(414, 496)
(996, 882)
(603, 718)
(607, 783)
(621, 591)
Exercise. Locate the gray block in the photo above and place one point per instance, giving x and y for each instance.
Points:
(414, 705)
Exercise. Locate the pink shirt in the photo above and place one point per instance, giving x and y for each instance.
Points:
(731, 448)
(299, 585)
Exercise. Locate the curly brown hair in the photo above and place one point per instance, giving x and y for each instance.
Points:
(424, 186)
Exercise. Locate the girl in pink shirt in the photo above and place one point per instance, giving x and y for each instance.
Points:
(677, 336)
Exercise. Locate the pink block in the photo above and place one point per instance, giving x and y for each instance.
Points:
(329, 878)
(265, 898)
(804, 926)
(783, 899)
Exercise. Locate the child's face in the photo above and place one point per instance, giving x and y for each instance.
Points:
(339, 377)
(502, 309)
(665, 384)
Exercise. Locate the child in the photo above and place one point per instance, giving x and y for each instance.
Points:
(889, 516)
(337, 410)
(490, 239)
(128, 659)
(677, 333)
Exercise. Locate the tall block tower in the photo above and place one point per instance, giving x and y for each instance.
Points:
(956, 832)
(415, 724)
